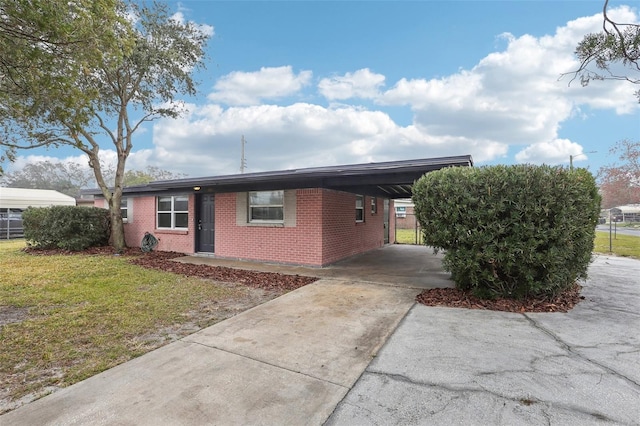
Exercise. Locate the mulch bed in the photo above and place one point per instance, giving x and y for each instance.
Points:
(262, 280)
(161, 260)
(455, 298)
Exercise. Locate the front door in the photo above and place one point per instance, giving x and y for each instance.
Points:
(205, 223)
(386, 221)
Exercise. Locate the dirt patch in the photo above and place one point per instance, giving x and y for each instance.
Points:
(455, 298)
(12, 314)
(251, 289)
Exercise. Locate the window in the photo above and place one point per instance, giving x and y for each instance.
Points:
(359, 208)
(266, 206)
(374, 205)
(401, 212)
(173, 212)
(124, 209)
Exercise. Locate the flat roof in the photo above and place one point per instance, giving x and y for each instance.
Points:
(392, 179)
(21, 198)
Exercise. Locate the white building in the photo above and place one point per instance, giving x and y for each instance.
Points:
(14, 200)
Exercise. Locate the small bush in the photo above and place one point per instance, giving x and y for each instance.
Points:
(510, 231)
(66, 227)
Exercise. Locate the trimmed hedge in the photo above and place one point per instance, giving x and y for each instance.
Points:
(66, 227)
(510, 231)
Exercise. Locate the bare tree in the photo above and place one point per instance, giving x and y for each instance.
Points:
(599, 53)
(620, 181)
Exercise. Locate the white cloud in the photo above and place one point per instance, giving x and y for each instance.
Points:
(514, 96)
(205, 29)
(250, 88)
(511, 97)
(295, 136)
(557, 151)
(360, 84)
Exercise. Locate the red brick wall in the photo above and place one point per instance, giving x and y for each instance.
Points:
(407, 222)
(342, 236)
(143, 219)
(325, 230)
(301, 244)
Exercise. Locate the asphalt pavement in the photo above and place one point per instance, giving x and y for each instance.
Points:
(622, 230)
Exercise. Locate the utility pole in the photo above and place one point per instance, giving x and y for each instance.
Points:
(243, 161)
(571, 157)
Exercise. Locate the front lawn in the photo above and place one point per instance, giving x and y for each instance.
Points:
(64, 318)
(408, 236)
(621, 245)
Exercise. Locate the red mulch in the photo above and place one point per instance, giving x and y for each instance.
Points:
(263, 280)
(161, 260)
(455, 298)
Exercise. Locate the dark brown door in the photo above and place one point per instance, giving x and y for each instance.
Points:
(206, 223)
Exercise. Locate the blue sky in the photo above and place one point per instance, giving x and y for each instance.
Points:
(313, 83)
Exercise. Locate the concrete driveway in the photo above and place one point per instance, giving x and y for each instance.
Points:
(472, 367)
(318, 355)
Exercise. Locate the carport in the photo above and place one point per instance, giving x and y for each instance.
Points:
(399, 265)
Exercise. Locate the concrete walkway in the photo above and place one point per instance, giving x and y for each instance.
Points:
(318, 355)
(287, 362)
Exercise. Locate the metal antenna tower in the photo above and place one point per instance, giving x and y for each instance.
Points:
(243, 161)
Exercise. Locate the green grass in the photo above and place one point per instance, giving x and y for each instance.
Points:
(83, 314)
(408, 236)
(621, 245)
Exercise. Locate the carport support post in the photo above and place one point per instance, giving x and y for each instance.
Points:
(610, 245)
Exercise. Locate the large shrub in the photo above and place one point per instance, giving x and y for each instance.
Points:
(66, 227)
(510, 231)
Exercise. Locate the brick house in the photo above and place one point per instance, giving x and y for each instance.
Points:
(313, 216)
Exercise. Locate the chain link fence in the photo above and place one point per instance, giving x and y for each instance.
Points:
(11, 224)
(408, 230)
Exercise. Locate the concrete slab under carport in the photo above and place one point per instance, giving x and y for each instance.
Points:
(402, 265)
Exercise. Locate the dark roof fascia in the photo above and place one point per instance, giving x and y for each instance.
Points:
(346, 177)
(366, 169)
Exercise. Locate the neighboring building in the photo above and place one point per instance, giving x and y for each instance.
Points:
(627, 213)
(313, 216)
(14, 200)
(405, 216)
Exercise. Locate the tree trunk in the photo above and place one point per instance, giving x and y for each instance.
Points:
(117, 229)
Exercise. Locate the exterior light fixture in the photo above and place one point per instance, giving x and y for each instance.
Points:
(196, 188)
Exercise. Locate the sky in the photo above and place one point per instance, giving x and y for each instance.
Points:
(321, 83)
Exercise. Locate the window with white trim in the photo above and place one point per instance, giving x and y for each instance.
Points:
(124, 209)
(359, 208)
(266, 206)
(173, 212)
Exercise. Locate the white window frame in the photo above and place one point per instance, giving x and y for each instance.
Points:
(359, 208)
(251, 206)
(126, 209)
(173, 211)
